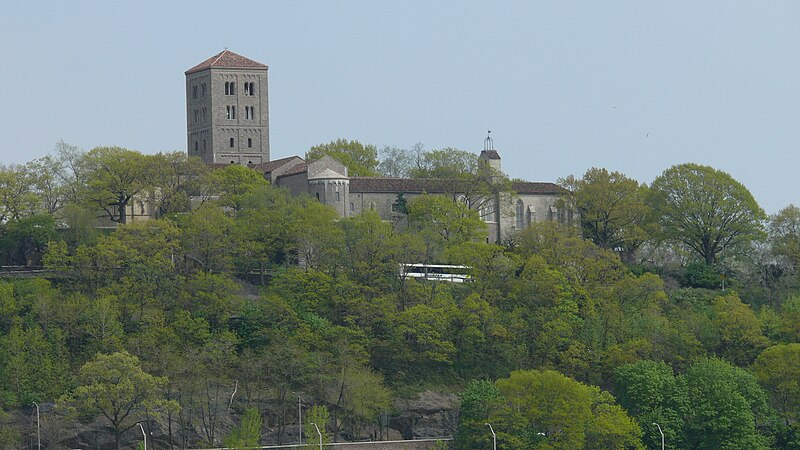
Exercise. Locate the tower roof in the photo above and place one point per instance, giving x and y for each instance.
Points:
(227, 59)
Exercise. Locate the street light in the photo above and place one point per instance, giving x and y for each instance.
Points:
(38, 434)
(143, 434)
(494, 436)
(319, 433)
(299, 417)
(662, 434)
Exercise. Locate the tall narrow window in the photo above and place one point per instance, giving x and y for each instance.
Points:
(233, 88)
(252, 88)
(246, 112)
(194, 91)
(520, 215)
(233, 112)
(338, 196)
(228, 112)
(203, 90)
(250, 142)
(227, 88)
(195, 116)
(204, 114)
(247, 89)
(231, 142)
(204, 144)
(196, 145)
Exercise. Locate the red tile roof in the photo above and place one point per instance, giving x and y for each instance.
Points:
(227, 59)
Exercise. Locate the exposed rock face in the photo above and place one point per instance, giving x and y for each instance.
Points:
(430, 414)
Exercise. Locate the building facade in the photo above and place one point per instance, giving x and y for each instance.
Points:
(227, 110)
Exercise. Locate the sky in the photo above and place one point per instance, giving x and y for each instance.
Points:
(632, 86)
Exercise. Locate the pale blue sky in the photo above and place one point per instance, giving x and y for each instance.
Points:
(633, 86)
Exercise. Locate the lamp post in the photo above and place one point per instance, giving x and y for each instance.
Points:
(299, 417)
(662, 434)
(38, 433)
(494, 436)
(319, 433)
(143, 434)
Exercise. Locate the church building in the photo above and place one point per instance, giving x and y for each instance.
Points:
(228, 123)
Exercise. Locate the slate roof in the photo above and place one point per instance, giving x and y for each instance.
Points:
(431, 185)
(300, 168)
(490, 154)
(227, 59)
(269, 166)
(534, 188)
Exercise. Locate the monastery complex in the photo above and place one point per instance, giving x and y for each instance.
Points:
(227, 122)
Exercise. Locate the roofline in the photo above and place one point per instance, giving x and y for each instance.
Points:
(190, 71)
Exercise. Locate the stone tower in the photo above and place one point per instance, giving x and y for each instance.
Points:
(227, 110)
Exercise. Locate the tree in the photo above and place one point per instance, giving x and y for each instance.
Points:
(649, 391)
(784, 235)
(395, 162)
(114, 176)
(247, 434)
(612, 208)
(778, 370)
(115, 388)
(738, 331)
(726, 407)
(317, 415)
(360, 159)
(232, 184)
(443, 222)
(447, 163)
(705, 209)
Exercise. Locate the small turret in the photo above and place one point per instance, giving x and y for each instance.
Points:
(489, 156)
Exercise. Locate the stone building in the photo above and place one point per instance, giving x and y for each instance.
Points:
(221, 135)
(227, 110)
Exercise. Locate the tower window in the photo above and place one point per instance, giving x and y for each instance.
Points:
(204, 114)
(231, 142)
(247, 112)
(250, 88)
(196, 145)
(194, 91)
(247, 89)
(338, 196)
(230, 88)
(250, 142)
(230, 112)
(233, 112)
(203, 90)
(204, 144)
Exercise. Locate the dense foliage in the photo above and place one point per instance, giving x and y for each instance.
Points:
(240, 297)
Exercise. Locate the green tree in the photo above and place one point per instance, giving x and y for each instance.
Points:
(247, 434)
(739, 338)
(726, 407)
(705, 209)
(361, 160)
(612, 208)
(17, 196)
(209, 238)
(649, 391)
(319, 416)
(114, 176)
(395, 162)
(443, 223)
(232, 184)
(115, 388)
(447, 163)
(784, 235)
(778, 369)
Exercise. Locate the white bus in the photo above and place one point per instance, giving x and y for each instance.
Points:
(437, 272)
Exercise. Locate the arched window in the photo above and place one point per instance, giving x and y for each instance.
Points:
(529, 214)
(195, 116)
(519, 212)
(233, 112)
(194, 91)
(204, 114)
(317, 196)
(250, 142)
(203, 90)
(231, 142)
(204, 144)
(228, 112)
(196, 146)
(338, 196)
(227, 88)
(252, 89)
(372, 206)
(233, 88)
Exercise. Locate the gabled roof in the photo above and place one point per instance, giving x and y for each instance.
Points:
(227, 59)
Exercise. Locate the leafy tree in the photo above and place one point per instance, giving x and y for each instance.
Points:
(443, 223)
(705, 209)
(25, 239)
(612, 208)
(395, 162)
(115, 388)
(17, 197)
(248, 433)
(319, 416)
(478, 401)
(726, 407)
(232, 184)
(447, 163)
(114, 176)
(649, 391)
(176, 177)
(739, 337)
(778, 369)
(208, 238)
(361, 160)
(784, 235)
